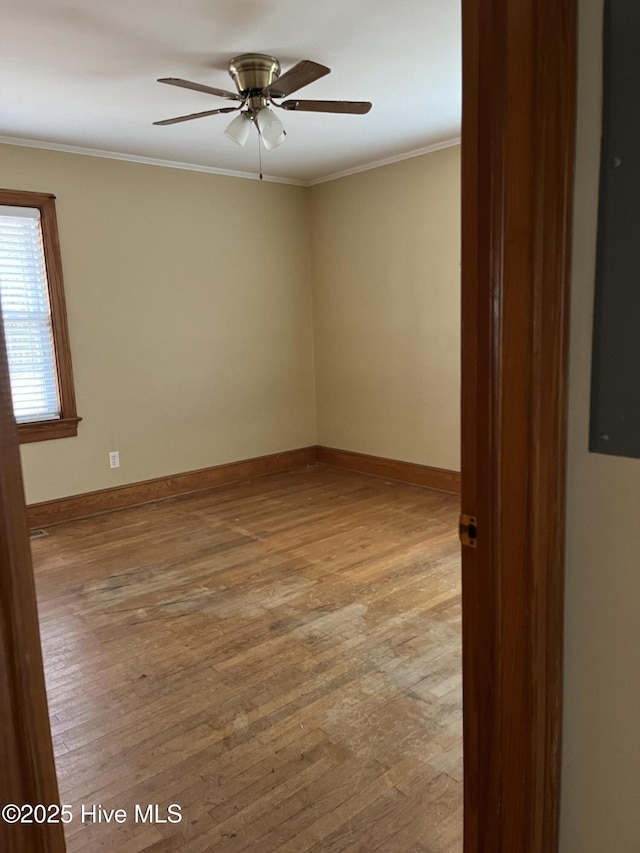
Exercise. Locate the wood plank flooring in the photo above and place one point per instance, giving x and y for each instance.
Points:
(280, 657)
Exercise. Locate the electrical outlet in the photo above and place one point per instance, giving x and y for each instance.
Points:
(114, 459)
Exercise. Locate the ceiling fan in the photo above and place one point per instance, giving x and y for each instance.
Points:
(258, 81)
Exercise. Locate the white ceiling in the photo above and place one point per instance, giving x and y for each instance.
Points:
(82, 73)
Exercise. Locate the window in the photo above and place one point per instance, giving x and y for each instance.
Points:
(34, 317)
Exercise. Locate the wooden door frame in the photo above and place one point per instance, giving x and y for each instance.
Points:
(519, 60)
(518, 141)
(26, 754)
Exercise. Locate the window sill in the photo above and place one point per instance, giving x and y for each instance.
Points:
(47, 430)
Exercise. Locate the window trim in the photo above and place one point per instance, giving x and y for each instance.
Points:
(66, 425)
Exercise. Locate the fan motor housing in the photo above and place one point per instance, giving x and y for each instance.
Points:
(251, 71)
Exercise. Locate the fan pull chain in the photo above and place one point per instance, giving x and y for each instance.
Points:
(260, 154)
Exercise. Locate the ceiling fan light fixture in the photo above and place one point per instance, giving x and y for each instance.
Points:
(271, 128)
(258, 81)
(239, 129)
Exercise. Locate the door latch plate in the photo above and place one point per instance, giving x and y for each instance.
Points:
(468, 531)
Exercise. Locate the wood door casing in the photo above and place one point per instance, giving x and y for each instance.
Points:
(26, 755)
(518, 149)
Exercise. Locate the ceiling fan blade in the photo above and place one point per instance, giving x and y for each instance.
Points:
(197, 115)
(353, 107)
(199, 87)
(295, 78)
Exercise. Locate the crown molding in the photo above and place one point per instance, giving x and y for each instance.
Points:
(147, 161)
(213, 170)
(396, 158)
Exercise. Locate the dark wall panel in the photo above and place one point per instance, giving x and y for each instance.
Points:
(615, 387)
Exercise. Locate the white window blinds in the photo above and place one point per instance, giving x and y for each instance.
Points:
(26, 313)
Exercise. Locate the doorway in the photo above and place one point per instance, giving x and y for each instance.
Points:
(517, 154)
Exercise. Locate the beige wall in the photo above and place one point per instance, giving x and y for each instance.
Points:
(193, 347)
(386, 295)
(190, 318)
(600, 808)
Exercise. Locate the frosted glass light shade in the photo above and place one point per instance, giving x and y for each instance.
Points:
(271, 128)
(239, 129)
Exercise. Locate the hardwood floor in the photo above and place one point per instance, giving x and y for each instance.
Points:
(280, 657)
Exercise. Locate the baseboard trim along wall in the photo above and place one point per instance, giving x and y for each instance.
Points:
(392, 469)
(105, 500)
(92, 503)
